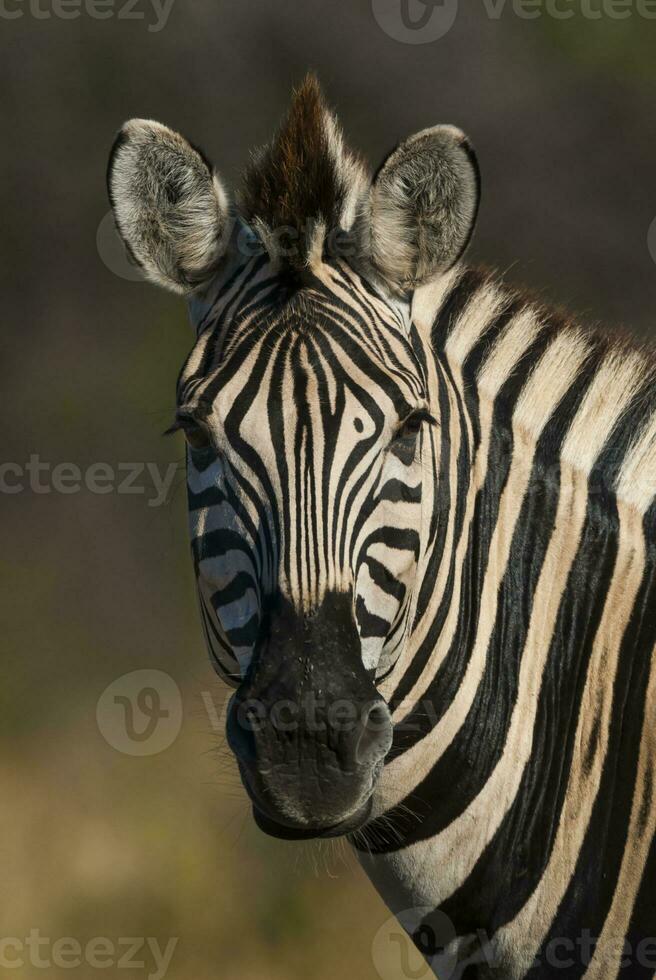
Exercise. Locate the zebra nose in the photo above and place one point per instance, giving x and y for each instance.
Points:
(374, 739)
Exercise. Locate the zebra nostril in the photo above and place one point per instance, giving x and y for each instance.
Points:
(375, 737)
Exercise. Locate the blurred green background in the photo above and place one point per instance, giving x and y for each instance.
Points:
(94, 842)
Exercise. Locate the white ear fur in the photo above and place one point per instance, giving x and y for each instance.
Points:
(170, 207)
(422, 207)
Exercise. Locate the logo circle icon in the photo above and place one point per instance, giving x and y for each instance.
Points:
(415, 21)
(651, 239)
(399, 956)
(140, 713)
(113, 253)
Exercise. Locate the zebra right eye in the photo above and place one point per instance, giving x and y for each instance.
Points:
(196, 432)
(197, 436)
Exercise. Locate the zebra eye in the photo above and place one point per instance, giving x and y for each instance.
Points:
(404, 444)
(197, 436)
(414, 422)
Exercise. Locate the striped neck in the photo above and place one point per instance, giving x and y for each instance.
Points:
(530, 405)
(517, 801)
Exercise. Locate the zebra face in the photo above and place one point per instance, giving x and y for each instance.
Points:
(308, 410)
(306, 416)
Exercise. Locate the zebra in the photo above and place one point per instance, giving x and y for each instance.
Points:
(423, 527)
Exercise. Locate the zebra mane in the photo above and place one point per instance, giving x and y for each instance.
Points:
(305, 184)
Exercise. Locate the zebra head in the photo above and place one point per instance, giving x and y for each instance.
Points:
(310, 411)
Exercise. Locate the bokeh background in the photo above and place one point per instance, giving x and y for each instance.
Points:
(95, 842)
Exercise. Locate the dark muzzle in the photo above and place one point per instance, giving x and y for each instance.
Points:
(308, 726)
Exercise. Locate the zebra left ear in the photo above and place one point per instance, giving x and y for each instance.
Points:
(422, 207)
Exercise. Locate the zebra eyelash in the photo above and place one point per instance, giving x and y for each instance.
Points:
(181, 422)
(196, 432)
(414, 420)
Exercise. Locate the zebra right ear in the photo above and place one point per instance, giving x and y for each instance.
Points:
(422, 207)
(169, 206)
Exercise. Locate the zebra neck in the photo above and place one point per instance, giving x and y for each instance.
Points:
(523, 711)
(533, 487)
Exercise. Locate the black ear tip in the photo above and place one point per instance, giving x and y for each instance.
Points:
(471, 191)
(465, 142)
(460, 140)
(472, 157)
(460, 149)
(468, 147)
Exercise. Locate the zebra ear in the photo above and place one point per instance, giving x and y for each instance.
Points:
(169, 206)
(422, 207)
